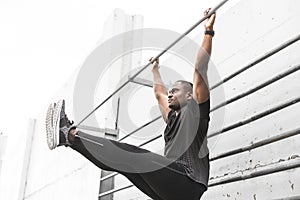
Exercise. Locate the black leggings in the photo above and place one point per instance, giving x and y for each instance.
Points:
(167, 182)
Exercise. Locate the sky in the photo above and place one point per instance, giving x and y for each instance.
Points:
(43, 42)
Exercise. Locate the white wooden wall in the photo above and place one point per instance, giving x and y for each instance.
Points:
(245, 33)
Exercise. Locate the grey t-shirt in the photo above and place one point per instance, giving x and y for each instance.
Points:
(186, 141)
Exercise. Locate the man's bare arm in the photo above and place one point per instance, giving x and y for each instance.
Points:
(160, 91)
(200, 82)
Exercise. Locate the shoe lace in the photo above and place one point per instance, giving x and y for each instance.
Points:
(71, 122)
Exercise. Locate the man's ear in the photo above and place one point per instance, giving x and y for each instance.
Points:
(189, 95)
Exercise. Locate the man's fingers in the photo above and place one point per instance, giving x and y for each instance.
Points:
(212, 18)
(152, 61)
(207, 11)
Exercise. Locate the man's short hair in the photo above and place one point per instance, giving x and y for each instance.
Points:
(188, 86)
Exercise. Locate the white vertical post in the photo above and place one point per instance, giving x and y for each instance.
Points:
(3, 142)
(27, 155)
(118, 23)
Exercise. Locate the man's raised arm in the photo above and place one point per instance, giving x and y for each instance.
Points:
(160, 91)
(200, 82)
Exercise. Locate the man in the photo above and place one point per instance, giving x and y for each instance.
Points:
(182, 173)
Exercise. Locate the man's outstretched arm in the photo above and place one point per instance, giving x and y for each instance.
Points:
(200, 82)
(160, 91)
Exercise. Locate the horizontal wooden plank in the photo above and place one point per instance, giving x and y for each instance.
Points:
(257, 144)
(275, 124)
(278, 185)
(256, 158)
(276, 64)
(271, 96)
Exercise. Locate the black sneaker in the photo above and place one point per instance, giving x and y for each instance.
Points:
(57, 125)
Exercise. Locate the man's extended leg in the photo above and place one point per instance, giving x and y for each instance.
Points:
(57, 128)
(155, 175)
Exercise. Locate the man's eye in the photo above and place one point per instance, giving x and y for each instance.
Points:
(173, 91)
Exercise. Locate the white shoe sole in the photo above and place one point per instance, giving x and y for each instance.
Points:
(52, 124)
(49, 126)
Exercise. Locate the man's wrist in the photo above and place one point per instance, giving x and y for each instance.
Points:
(209, 28)
(209, 32)
(155, 68)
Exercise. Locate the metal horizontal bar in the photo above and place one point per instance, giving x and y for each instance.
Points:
(139, 128)
(91, 128)
(252, 90)
(151, 140)
(113, 191)
(109, 176)
(257, 144)
(261, 171)
(258, 60)
(142, 81)
(101, 130)
(255, 117)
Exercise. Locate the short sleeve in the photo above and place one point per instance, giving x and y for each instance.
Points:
(204, 109)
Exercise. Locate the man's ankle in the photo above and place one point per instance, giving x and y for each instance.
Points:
(71, 136)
